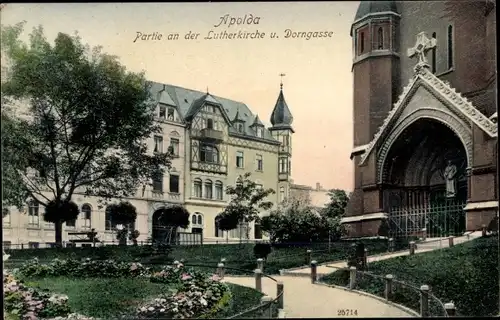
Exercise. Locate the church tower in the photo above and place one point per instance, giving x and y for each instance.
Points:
(375, 69)
(281, 120)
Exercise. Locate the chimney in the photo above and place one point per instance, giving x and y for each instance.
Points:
(318, 186)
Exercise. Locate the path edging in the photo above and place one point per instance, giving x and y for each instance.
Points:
(363, 293)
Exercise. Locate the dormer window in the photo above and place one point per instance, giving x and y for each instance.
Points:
(162, 113)
(170, 115)
(239, 127)
(259, 132)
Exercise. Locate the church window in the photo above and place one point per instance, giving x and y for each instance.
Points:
(361, 42)
(380, 39)
(433, 52)
(450, 47)
(209, 154)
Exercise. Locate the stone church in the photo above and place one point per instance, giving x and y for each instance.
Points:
(425, 120)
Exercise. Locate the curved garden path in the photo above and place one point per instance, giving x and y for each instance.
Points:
(302, 299)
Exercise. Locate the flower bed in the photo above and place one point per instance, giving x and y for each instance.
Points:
(186, 293)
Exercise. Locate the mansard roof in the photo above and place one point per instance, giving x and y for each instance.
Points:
(188, 103)
(237, 117)
(445, 92)
(257, 122)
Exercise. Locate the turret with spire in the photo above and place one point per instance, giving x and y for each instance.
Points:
(281, 130)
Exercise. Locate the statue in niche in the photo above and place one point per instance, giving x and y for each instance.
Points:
(450, 173)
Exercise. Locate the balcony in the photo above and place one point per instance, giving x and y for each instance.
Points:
(211, 135)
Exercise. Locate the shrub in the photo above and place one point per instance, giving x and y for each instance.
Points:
(262, 250)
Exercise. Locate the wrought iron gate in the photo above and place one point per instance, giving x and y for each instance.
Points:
(440, 216)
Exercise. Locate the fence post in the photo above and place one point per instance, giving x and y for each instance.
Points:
(424, 301)
(424, 234)
(267, 300)
(450, 242)
(365, 259)
(260, 264)
(220, 270)
(450, 309)
(280, 291)
(258, 280)
(352, 277)
(308, 256)
(412, 248)
(388, 286)
(391, 245)
(314, 274)
(483, 229)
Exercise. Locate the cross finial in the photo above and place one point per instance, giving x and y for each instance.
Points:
(420, 49)
(281, 81)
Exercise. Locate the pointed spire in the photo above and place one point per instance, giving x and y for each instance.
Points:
(237, 116)
(281, 115)
(257, 122)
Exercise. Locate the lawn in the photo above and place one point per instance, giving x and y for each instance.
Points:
(238, 256)
(243, 299)
(102, 298)
(466, 274)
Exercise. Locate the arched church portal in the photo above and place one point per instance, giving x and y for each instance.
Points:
(424, 176)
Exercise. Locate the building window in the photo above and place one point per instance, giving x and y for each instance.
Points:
(361, 42)
(109, 224)
(239, 159)
(282, 194)
(239, 126)
(209, 154)
(174, 146)
(33, 217)
(289, 167)
(218, 232)
(162, 114)
(87, 215)
(158, 144)
(210, 124)
(6, 217)
(433, 55)
(197, 220)
(283, 165)
(241, 232)
(260, 132)
(71, 223)
(158, 181)
(197, 188)
(260, 165)
(171, 113)
(450, 47)
(208, 189)
(257, 231)
(214, 109)
(219, 191)
(380, 38)
(33, 245)
(174, 183)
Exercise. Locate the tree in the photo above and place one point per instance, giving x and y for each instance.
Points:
(247, 200)
(123, 213)
(337, 205)
(298, 223)
(170, 219)
(85, 123)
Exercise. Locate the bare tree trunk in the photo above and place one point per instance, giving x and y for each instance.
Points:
(58, 232)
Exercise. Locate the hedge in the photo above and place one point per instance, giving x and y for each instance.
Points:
(240, 256)
(466, 274)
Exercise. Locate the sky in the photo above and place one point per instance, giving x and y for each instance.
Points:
(317, 84)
